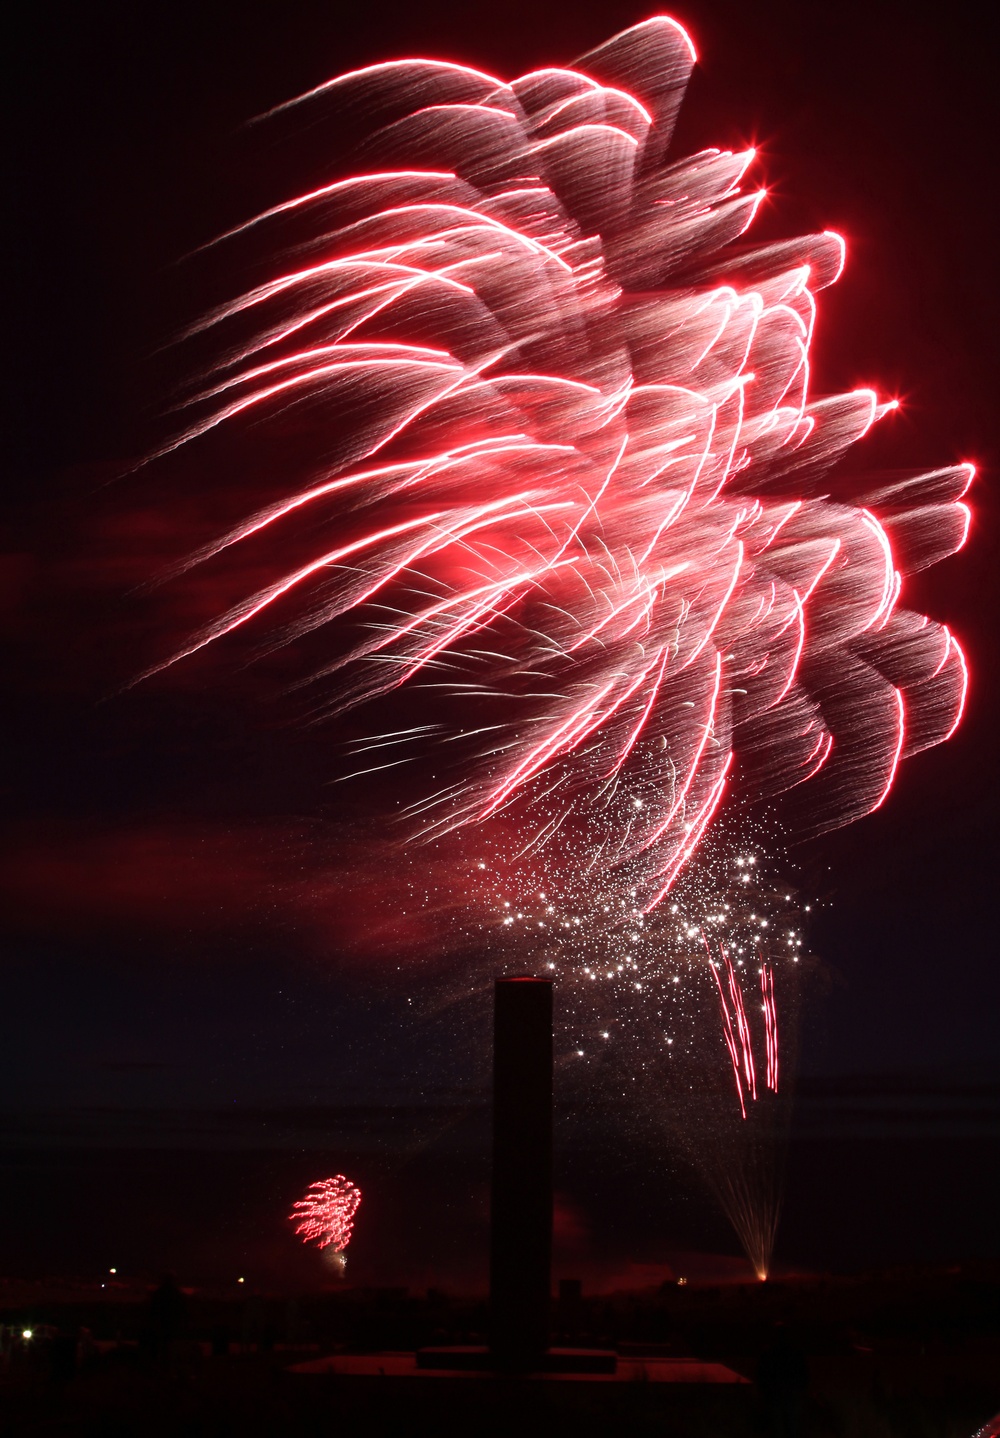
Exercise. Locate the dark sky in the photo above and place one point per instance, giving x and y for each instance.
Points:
(175, 926)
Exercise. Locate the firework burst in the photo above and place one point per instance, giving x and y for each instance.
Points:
(538, 484)
(581, 504)
(325, 1215)
(676, 1013)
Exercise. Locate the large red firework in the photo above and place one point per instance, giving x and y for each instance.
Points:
(546, 458)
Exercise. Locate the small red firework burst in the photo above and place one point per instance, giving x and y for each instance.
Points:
(325, 1215)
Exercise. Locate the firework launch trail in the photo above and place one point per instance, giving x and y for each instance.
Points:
(557, 472)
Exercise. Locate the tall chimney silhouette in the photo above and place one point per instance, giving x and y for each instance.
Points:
(521, 1213)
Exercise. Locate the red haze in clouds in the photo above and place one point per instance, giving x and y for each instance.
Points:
(177, 876)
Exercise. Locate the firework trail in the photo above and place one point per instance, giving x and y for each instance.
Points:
(325, 1216)
(542, 455)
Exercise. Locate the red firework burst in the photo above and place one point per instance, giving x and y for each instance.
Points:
(558, 425)
(325, 1216)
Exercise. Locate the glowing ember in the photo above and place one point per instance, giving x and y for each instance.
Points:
(325, 1216)
(582, 498)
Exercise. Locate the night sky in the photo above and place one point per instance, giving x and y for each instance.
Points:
(187, 929)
